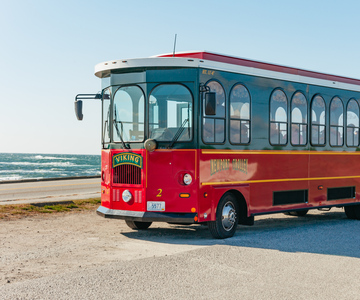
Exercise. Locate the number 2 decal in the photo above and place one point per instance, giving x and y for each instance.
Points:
(160, 192)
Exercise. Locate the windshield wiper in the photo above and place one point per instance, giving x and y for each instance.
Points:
(178, 133)
(118, 131)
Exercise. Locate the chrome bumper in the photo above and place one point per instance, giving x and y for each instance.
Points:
(142, 216)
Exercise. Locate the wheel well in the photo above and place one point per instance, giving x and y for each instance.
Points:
(241, 201)
(243, 209)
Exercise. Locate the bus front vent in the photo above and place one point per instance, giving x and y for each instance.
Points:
(127, 174)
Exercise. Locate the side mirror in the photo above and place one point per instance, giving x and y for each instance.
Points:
(78, 103)
(210, 104)
(78, 109)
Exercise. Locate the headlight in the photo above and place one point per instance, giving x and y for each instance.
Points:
(187, 179)
(126, 196)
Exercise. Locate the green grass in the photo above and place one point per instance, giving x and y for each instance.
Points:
(17, 211)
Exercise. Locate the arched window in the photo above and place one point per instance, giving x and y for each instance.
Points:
(239, 115)
(318, 127)
(336, 122)
(352, 123)
(128, 114)
(278, 118)
(299, 119)
(214, 125)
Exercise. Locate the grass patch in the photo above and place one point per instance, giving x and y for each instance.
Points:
(11, 212)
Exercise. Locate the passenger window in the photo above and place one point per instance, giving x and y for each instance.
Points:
(336, 122)
(299, 119)
(318, 127)
(352, 123)
(239, 115)
(278, 118)
(214, 126)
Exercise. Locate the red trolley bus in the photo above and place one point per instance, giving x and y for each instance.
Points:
(199, 137)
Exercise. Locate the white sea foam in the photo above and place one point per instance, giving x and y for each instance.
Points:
(10, 178)
(25, 163)
(15, 166)
(51, 157)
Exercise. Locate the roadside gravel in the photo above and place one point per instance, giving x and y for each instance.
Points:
(84, 256)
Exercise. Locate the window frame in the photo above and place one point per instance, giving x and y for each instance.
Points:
(317, 125)
(306, 123)
(279, 122)
(109, 125)
(353, 127)
(147, 105)
(239, 119)
(205, 117)
(336, 126)
(113, 95)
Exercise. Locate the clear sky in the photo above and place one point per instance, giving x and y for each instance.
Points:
(48, 50)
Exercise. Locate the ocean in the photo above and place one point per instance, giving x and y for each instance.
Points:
(18, 166)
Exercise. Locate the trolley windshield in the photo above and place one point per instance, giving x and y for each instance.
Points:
(170, 109)
(170, 113)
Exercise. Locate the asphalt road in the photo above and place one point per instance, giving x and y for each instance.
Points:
(49, 191)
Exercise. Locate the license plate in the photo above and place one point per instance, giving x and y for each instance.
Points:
(156, 206)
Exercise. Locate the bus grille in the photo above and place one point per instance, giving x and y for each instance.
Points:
(127, 174)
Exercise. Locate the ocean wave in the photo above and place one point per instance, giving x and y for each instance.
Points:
(7, 178)
(17, 166)
(17, 172)
(92, 172)
(51, 157)
(47, 164)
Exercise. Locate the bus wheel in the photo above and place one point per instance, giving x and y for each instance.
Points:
(297, 213)
(138, 225)
(353, 212)
(350, 212)
(226, 218)
(357, 211)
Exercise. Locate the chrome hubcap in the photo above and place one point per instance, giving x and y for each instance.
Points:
(228, 217)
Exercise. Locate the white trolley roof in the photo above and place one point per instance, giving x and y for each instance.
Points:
(220, 62)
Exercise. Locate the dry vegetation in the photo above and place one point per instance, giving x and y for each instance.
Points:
(18, 211)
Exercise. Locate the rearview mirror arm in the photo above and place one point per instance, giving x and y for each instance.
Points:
(78, 103)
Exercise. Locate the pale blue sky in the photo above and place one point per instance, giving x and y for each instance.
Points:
(49, 50)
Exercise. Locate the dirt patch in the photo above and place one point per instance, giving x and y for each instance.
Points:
(35, 244)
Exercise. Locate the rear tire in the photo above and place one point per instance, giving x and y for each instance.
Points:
(138, 225)
(357, 211)
(227, 217)
(352, 212)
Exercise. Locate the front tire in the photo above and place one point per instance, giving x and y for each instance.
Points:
(227, 217)
(138, 225)
(297, 213)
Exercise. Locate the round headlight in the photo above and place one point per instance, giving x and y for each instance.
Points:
(150, 145)
(126, 196)
(187, 179)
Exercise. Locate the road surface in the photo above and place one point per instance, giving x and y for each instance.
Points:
(49, 191)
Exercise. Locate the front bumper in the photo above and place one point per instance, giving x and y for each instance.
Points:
(142, 216)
